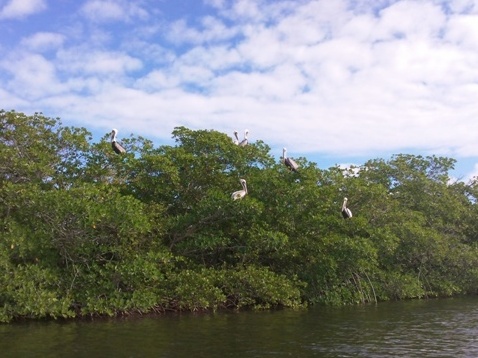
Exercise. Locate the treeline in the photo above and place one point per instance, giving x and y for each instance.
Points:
(85, 231)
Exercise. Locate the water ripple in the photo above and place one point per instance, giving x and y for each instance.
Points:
(427, 328)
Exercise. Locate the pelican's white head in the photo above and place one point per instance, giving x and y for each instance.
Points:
(114, 131)
(244, 185)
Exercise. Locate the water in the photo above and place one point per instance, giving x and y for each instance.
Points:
(425, 328)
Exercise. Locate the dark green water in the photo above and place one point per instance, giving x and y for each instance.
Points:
(425, 328)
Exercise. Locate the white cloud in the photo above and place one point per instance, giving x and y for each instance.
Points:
(212, 30)
(15, 9)
(112, 10)
(410, 19)
(463, 30)
(157, 81)
(215, 3)
(217, 58)
(267, 86)
(9, 101)
(341, 78)
(460, 6)
(85, 61)
(247, 9)
(43, 41)
(32, 76)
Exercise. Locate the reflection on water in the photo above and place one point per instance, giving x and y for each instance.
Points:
(425, 328)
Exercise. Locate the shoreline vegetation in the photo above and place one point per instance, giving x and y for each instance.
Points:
(87, 232)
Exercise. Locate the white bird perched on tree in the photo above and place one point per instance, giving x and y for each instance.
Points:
(244, 142)
(117, 147)
(289, 162)
(346, 213)
(236, 141)
(240, 193)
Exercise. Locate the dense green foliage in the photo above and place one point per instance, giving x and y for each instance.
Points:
(84, 231)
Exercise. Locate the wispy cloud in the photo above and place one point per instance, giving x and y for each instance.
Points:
(211, 30)
(342, 78)
(43, 41)
(32, 76)
(112, 10)
(17, 9)
(85, 62)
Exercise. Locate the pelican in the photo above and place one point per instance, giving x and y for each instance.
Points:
(240, 193)
(236, 141)
(244, 142)
(118, 148)
(346, 213)
(289, 162)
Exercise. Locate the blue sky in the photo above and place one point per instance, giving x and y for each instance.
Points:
(335, 81)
